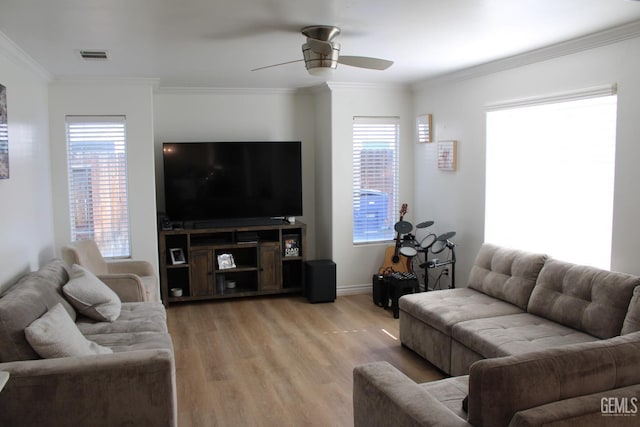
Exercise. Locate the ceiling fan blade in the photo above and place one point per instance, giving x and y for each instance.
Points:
(319, 46)
(277, 65)
(365, 62)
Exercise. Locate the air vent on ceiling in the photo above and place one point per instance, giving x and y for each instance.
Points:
(100, 55)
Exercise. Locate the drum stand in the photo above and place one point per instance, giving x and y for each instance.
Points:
(438, 264)
(438, 245)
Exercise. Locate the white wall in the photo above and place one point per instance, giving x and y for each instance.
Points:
(322, 120)
(456, 200)
(237, 115)
(26, 226)
(323, 197)
(134, 99)
(356, 264)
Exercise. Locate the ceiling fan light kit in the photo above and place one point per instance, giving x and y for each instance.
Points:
(319, 64)
(321, 55)
(320, 52)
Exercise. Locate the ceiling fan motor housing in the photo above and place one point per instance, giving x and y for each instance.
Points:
(315, 61)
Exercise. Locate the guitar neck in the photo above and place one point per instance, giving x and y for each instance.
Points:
(398, 237)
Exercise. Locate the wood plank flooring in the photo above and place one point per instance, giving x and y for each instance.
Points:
(280, 361)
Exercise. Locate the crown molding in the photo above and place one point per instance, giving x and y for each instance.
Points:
(315, 89)
(15, 54)
(111, 81)
(223, 91)
(606, 37)
(346, 86)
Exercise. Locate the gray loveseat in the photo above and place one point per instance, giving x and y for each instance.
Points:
(531, 341)
(134, 385)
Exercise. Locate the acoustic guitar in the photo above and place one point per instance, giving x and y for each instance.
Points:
(394, 261)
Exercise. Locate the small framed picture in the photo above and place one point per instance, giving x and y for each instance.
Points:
(291, 245)
(447, 155)
(226, 261)
(424, 128)
(177, 256)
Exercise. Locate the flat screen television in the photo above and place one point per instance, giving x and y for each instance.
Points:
(206, 181)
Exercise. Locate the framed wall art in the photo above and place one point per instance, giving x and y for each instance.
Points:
(4, 135)
(447, 155)
(424, 129)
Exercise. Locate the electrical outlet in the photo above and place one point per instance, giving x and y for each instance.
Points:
(445, 272)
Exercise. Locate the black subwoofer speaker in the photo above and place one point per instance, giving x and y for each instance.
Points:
(320, 280)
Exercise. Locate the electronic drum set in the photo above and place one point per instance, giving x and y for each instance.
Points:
(410, 247)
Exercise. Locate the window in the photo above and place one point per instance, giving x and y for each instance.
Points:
(375, 178)
(550, 177)
(97, 173)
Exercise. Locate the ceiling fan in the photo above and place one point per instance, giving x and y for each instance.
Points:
(322, 54)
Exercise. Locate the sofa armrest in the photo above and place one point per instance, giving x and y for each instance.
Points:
(384, 396)
(130, 388)
(128, 287)
(501, 387)
(139, 267)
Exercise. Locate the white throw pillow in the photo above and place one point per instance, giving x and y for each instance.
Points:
(90, 296)
(55, 334)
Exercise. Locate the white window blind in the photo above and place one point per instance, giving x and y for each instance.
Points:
(550, 177)
(97, 173)
(375, 178)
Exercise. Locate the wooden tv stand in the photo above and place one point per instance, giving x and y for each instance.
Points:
(261, 265)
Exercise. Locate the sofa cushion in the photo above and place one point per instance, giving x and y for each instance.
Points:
(132, 341)
(506, 274)
(632, 319)
(55, 335)
(90, 296)
(515, 334)
(32, 296)
(450, 392)
(443, 309)
(585, 298)
(134, 317)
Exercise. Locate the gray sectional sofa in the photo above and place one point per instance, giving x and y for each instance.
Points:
(516, 302)
(530, 341)
(132, 385)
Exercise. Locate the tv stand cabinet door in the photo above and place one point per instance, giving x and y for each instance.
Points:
(202, 273)
(270, 266)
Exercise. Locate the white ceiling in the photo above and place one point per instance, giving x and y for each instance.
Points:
(215, 43)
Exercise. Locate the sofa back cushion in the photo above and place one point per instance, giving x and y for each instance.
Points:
(32, 296)
(585, 298)
(500, 387)
(632, 319)
(506, 274)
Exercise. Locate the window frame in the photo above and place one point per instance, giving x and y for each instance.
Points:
(576, 176)
(376, 134)
(97, 177)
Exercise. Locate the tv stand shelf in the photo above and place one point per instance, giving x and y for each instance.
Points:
(268, 260)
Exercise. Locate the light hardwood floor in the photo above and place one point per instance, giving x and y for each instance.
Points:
(280, 361)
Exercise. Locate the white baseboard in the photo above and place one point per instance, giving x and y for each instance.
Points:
(353, 289)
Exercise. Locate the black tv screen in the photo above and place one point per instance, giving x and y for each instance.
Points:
(232, 180)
